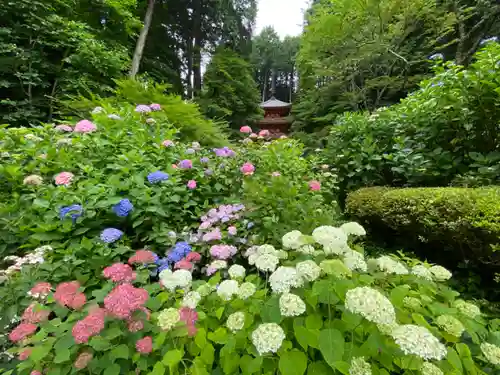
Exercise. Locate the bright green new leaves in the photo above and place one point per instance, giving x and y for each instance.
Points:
(293, 363)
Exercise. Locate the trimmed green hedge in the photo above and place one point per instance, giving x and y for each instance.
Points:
(452, 224)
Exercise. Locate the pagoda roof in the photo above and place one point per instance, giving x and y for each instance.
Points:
(275, 103)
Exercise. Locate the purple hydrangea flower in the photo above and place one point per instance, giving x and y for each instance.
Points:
(110, 235)
(186, 164)
(208, 172)
(204, 160)
(75, 211)
(157, 176)
(123, 208)
(224, 152)
(155, 107)
(141, 108)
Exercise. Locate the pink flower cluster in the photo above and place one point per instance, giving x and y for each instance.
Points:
(33, 314)
(190, 317)
(40, 290)
(22, 331)
(68, 294)
(124, 299)
(25, 354)
(187, 262)
(144, 345)
(64, 178)
(264, 133)
(247, 169)
(89, 326)
(223, 252)
(314, 185)
(246, 129)
(64, 128)
(120, 273)
(223, 214)
(142, 257)
(85, 126)
(168, 143)
(214, 235)
(135, 324)
(191, 184)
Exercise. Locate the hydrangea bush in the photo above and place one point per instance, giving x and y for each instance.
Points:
(314, 304)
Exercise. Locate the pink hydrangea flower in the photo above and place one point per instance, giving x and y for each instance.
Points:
(264, 133)
(135, 325)
(120, 273)
(24, 355)
(64, 128)
(155, 107)
(232, 230)
(213, 235)
(22, 331)
(253, 135)
(183, 264)
(174, 166)
(314, 185)
(35, 372)
(276, 174)
(186, 164)
(89, 326)
(124, 299)
(142, 108)
(247, 169)
(193, 257)
(144, 345)
(68, 294)
(211, 270)
(64, 178)
(85, 126)
(191, 184)
(222, 252)
(168, 143)
(83, 360)
(246, 129)
(40, 290)
(190, 317)
(33, 314)
(142, 257)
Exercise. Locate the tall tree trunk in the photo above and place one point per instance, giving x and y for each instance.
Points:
(291, 85)
(197, 49)
(264, 87)
(141, 42)
(189, 72)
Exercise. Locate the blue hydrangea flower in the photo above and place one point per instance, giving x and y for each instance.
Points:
(250, 225)
(208, 172)
(204, 160)
(174, 257)
(157, 176)
(75, 211)
(123, 208)
(183, 248)
(110, 235)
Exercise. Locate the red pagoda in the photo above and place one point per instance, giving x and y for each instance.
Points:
(276, 116)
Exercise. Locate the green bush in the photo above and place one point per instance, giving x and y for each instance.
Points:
(447, 224)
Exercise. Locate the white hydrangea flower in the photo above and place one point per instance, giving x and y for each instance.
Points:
(388, 265)
(336, 249)
(360, 367)
(355, 261)
(292, 240)
(246, 290)
(330, 236)
(227, 289)
(266, 262)
(306, 249)
(451, 325)
(97, 110)
(417, 340)
(422, 271)
(430, 369)
(370, 304)
(168, 280)
(491, 352)
(236, 271)
(282, 254)
(183, 278)
(412, 303)
(283, 279)
(353, 228)
(235, 321)
(386, 329)
(167, 319)
(218, 264)
(266, 249)
(308, 270)
(250, 251)
(191, 300)
(291, 305)
(268, 338)
(205, 289)
(440, 273)
(467, 309)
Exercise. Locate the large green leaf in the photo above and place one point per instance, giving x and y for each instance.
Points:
(293, 363)
(331, 346)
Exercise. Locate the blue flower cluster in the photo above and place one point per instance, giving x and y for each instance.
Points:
(75, 211)
(179, 251)
(157, 176)
(123, 208)
(110, 235)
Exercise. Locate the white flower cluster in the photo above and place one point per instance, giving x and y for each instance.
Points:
(236, 271)
(336, 268)
(35, 257)
(417, 340)
(467, 309)
(307, 249)
(227, 289)
(167, 319)
(333, 240)
(360, 367)
(291, 305)
(355, 261)
(370, 304)
(246, 290)
(285, 278)
(412, 303)
(205, 289)
(491, 352)
(451, 325)
(422, 271)
(191, 300)
(430, 369)
(308, 270)
(265, 258)
(388, 265)
(386, 329)
(235, 321)
(268, 338)
(218, 264)
(440, 273)
(178, 279)
(292, 240)
(353, 228)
